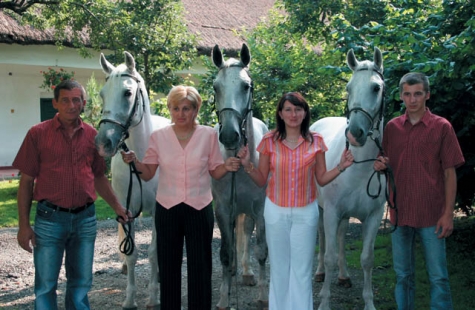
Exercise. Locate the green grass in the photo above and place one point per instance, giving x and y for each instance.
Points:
(9, 210)
(460, 254)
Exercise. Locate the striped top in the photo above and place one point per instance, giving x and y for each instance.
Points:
(418, 155)
(292, 180)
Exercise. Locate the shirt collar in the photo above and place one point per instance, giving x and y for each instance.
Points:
(57, 124)
(424, 119)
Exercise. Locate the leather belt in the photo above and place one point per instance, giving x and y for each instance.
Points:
(73, 210)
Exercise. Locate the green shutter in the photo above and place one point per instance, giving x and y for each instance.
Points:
(46, 109)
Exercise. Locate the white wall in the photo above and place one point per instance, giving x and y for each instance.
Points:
(20, 94)
(20, 78)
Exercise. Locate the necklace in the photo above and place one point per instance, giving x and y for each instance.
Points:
(292, 141)
(186, 137)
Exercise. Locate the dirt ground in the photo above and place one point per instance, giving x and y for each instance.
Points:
(17, 274)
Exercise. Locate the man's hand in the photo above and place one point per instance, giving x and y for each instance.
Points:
(380, 163)
(445, 226)
(24, 237)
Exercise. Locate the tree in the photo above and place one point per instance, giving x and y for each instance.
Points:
(152, 30)
(431, 36)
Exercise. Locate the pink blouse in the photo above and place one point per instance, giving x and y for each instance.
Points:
(184, 173)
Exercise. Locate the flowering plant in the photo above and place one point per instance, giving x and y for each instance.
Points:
(53, 77)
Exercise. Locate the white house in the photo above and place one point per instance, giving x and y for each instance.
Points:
(25, 51)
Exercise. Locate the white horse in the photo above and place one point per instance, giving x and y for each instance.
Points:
(126, 109)
(347, 196)
(236, 193)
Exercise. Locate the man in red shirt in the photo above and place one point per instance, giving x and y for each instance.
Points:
(61, 169)
(423, 151)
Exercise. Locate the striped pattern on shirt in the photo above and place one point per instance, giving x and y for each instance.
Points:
(292, 180)
(64, 167)
(418, 155)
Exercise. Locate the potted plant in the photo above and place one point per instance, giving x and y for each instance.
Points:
(53, 77)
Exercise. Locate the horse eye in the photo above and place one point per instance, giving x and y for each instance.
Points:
(377, 88)
(246, 87)
(128, 93)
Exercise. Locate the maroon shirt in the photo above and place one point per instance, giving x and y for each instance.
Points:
(64, 167)
(418, 155)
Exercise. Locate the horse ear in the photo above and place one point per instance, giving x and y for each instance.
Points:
(245, 55)
(378, 59)
(107, 67)
(217, 56)
(351, 60)
(129, 62)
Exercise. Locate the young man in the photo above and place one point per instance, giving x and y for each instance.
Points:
(423, 152)
(60, 155)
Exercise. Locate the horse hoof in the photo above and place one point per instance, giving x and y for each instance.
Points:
(319, 277)
(346, 283)
(262, 305)
(249, 280)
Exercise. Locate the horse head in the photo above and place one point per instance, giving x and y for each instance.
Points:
(365, 98)
(233, 97)
(124, 98)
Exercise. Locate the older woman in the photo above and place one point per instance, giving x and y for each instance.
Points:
(187, 154)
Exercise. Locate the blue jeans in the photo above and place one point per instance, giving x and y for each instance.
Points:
(403, 241)
(57, 233)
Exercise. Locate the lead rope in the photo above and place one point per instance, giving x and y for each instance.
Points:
(127, 246)
(390, 183)
(233, 202)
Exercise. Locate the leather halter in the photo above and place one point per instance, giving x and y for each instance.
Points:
(375, 125)
(242, 118)
(125, 127)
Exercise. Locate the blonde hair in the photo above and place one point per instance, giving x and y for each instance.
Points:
(180, 92)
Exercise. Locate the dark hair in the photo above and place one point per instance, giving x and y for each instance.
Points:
(68, 85)
(413, 78)
(297, 100)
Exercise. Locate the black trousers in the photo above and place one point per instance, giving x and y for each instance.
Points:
(174, 225)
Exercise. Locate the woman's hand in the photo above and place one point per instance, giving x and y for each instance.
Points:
(232, 164)
(128, 157)
(346, 159)
(244, 156)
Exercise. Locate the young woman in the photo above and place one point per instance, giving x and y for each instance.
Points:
(292, 158)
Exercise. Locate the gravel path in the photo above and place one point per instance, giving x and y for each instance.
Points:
(17, 274)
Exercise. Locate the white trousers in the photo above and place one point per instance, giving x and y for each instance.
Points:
(291, 235)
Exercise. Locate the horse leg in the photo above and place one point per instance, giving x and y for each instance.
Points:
(330, 259)
(226, 257)
(320, 273)
(244, 229)
(261, 253)
(131, 290)
(343, 275)
(153, 302)
(370, 230)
